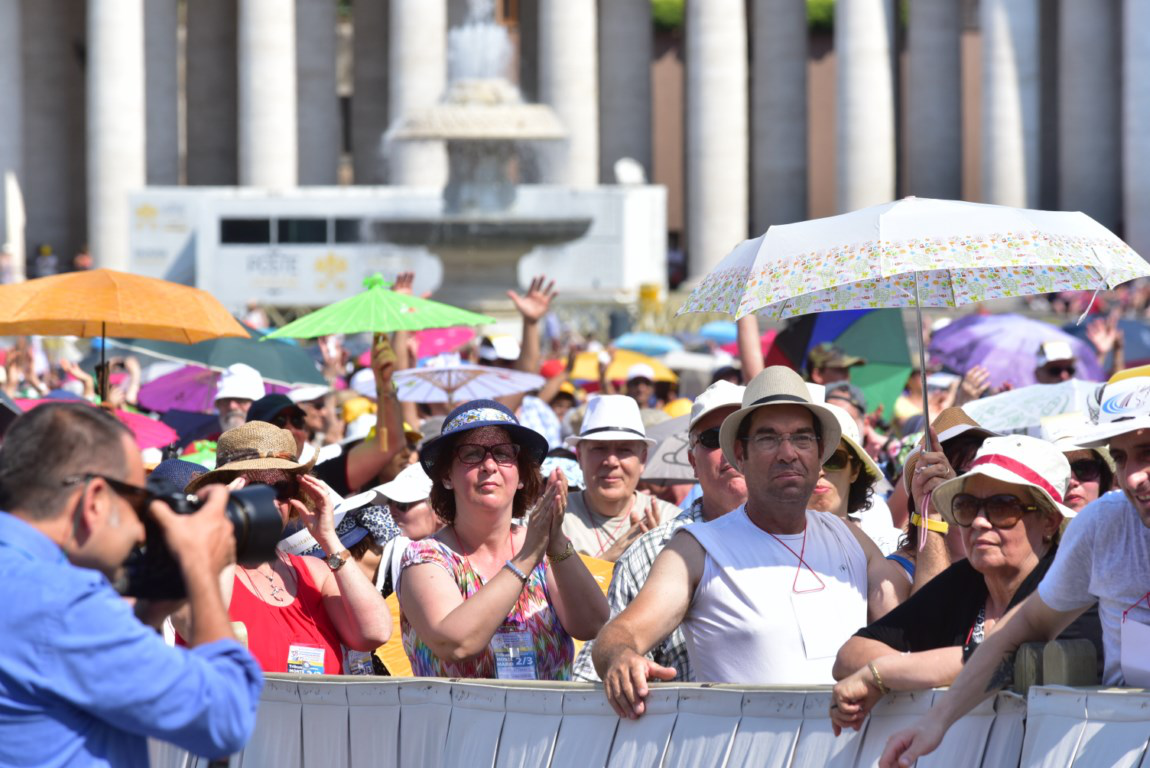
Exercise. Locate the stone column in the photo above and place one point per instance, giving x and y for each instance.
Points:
(369, 89)
(1010, 102)
(161, 89)
(778, 113)
(934, 100)
(1089, 176)
(717, 153)
(569, 82)
(115, 132)
(1136, 125)
(318, 107)
(626, 45)
(211, 88)
(12, 136)
(864, 125)
(417, 55)
(268, 129)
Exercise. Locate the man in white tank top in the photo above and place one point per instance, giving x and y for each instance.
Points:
(768, 593)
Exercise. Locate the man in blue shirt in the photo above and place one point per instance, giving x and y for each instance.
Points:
(83, 679)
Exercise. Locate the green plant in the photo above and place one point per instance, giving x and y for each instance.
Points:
(821, 15)
(668, 14)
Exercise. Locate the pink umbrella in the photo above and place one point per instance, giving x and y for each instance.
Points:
(437, 341)
(188, 389)
(148, 432)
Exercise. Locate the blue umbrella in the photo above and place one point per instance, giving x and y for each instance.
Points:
(720, 331)
(650, 344)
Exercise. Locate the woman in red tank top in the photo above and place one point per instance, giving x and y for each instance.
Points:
(299, 612)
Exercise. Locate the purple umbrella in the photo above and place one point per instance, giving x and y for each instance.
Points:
(1007, 346)
(188, 389)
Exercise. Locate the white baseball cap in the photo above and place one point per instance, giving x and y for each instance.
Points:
(499, 348)
(307, 394)
(240, 382)
(1124, 406)
(641, 371)
(409, 486)
(1054, 352)
(721, 394)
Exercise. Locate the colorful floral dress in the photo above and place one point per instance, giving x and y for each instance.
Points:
(533, 613)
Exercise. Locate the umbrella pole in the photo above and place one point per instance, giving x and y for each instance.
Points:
(926, 445)
(102, 374)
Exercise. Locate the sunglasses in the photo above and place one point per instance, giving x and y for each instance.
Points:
(838, 461)
(504, 454)
(708, 438)
(294, 418)
(286, 490)
(1002, 510)
(403, 506)
(137, 497)
(1058, 370)
(1086, 470)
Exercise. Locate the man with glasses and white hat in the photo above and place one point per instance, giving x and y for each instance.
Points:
(724, 489)
(609, 514)
(767, 593)
(1104, 558)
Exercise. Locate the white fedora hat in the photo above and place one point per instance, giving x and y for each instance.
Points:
(611, 417)
(779, 385)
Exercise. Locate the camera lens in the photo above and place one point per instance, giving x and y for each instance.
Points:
(257, 522)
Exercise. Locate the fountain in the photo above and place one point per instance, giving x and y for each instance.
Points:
(479, 237)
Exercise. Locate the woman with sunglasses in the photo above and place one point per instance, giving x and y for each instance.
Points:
(488, 596)
(1008, 507)
(299, 612)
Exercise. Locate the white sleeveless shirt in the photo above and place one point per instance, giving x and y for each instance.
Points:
(760, 617)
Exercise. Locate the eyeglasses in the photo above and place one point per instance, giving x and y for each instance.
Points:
(770, 442)
(136, 496)
(294, 418)
(504, 454)
(709, 438)
(838, 461)
(1003, 510)
(1086, 470)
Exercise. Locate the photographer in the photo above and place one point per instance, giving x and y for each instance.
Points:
(82, 680)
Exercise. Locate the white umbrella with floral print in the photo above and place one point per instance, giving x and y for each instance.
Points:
(915, 252)
(957, 253)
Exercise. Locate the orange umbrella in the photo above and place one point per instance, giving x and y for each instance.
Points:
(103, 302)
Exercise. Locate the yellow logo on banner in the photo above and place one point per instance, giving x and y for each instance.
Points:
(331, 268)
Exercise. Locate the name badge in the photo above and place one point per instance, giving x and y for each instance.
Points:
(358, 663)
(305, 659)
(514, 654)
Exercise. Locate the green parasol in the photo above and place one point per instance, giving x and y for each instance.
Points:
(378, 310)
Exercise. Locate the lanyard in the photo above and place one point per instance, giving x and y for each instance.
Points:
(799, 568)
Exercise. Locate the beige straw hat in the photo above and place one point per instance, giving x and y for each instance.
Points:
(255, 445)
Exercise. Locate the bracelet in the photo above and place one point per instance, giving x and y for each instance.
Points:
(877, 678)
(515, 569)
(938, 526)
(567, 552)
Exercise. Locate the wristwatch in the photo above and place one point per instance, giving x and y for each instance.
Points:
(336, 560)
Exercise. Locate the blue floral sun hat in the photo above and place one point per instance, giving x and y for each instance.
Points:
(475, 415)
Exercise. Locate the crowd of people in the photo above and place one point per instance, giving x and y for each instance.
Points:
(808, 541)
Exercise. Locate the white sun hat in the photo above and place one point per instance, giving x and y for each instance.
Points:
(1124, 406)
(1019, 460)
(611, 417)
(240, 382)
(409, 486)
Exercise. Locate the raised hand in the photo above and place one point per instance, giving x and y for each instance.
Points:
(534, 304)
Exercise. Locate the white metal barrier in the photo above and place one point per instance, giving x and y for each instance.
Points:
(356, 722)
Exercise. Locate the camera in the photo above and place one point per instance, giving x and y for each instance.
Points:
(151, 570)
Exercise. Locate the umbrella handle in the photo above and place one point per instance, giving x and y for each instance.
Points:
(922, 370)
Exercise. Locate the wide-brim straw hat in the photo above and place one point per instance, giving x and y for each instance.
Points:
(1019, 460)
(779, 385)
(255, 445)
(476, 415)
(948, 424)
